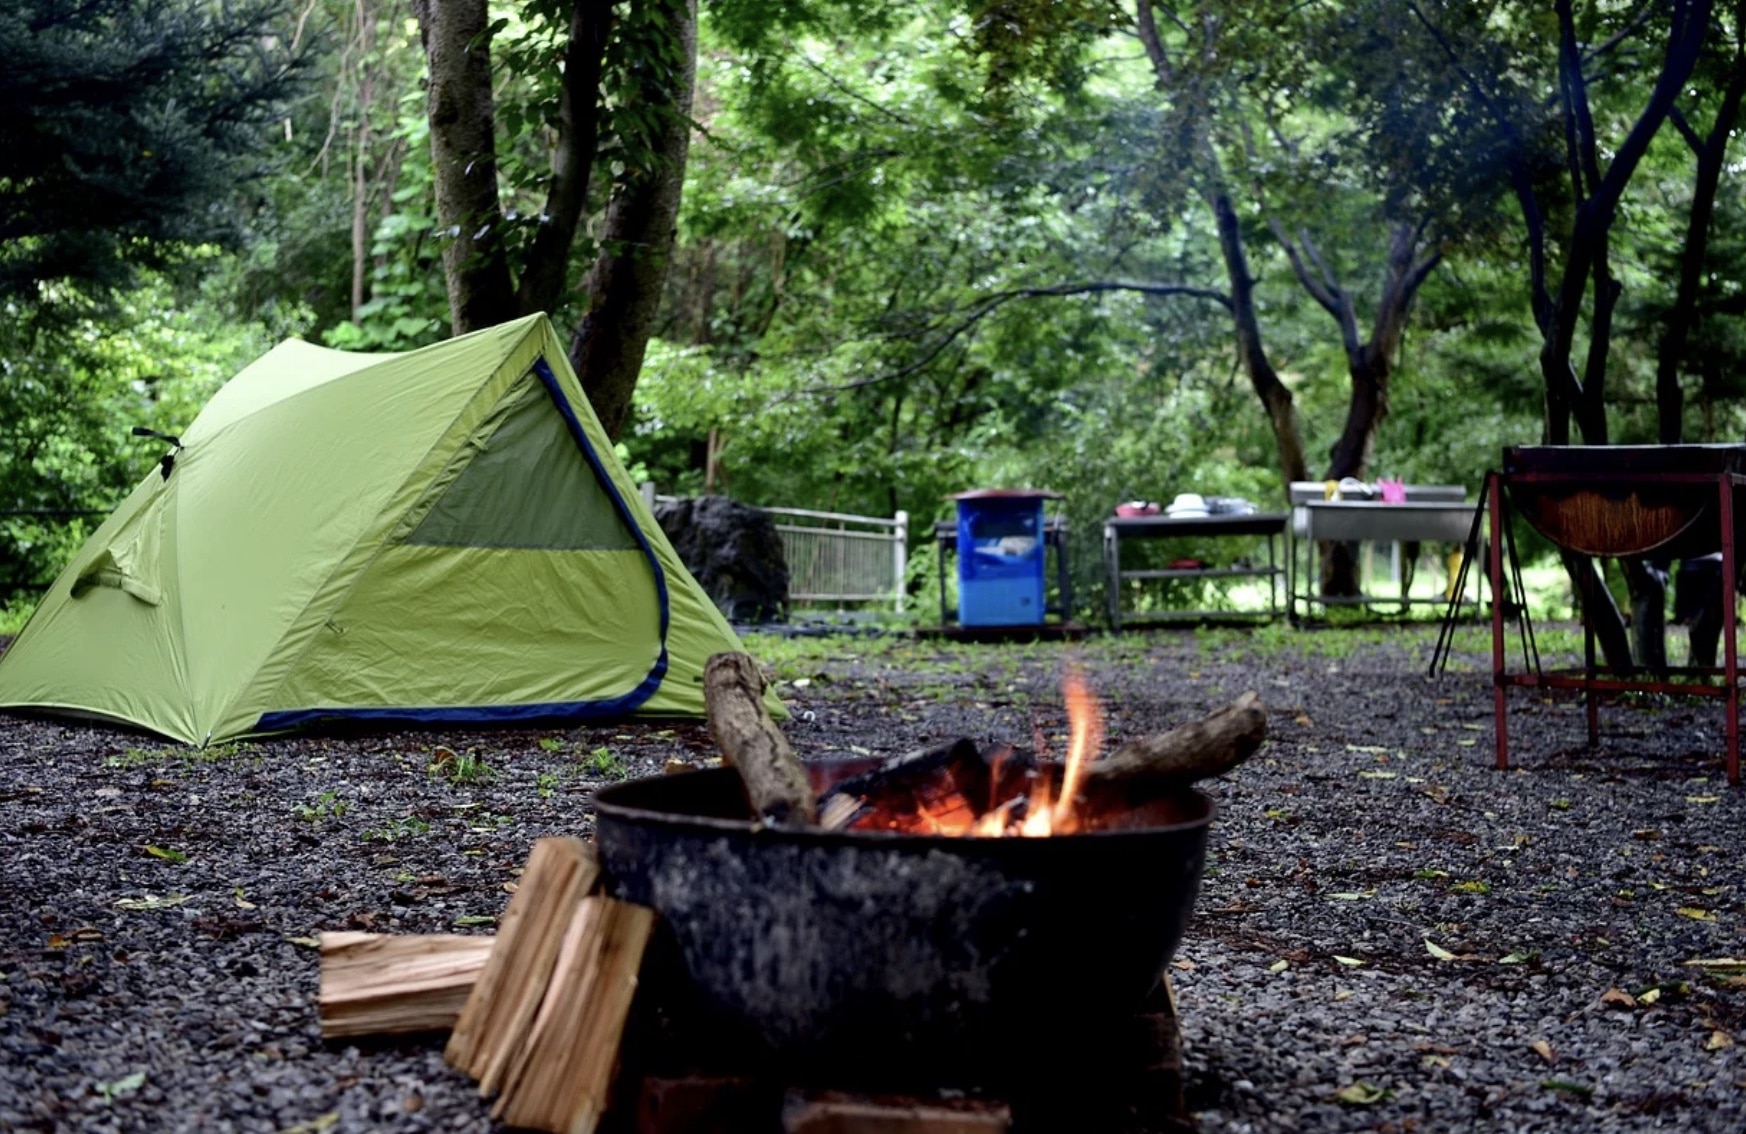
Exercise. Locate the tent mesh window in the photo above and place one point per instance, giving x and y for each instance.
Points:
(529, 486)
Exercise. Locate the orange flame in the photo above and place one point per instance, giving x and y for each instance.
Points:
(1085, 740)
(1037, 813)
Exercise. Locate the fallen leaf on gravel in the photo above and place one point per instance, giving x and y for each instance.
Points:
(1470, 888)
(1619, 998)
(1718, 964)
(125, 1085)
(1649, 997)
(1438, 951)
(1718, 1040)
(1278, 966)
(1518, 957)
(151, 902)
(1703, 799)
(1185, 966)
(1361, 1094)
(1378, 775)
(1567, 1086)
(1439, 1061)
(305, 942)
(1353, 962)
(1342, 994)
(511, 887)
(243, 903)
(56, 941)
(1695, 913)
(168, 854)
(315, 1125)
(1646, 834)
(1426, 875)
(476, 919)
(1544, 1051)
(1352, 895)
(1372, 748)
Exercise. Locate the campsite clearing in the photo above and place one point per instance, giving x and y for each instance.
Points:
(1389, 929)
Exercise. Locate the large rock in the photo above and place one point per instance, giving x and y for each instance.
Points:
(734, 550)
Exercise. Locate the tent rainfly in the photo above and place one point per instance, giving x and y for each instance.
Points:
(442, 535)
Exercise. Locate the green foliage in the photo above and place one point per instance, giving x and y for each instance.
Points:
(75, 376)
(458, 768)
(125, 127)
(606, 764)
(327, 805)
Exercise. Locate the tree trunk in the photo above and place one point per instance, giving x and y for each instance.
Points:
(1712, 151)
(1648, 588)
(457, 46)
(1275, 398)
(548, 259)
(1598, 195)
(1369, 363)
(625, 285)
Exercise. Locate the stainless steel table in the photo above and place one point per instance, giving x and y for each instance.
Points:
(1318, 521)
(1267, 526)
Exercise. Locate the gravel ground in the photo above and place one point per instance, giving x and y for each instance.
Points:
(1391, 936)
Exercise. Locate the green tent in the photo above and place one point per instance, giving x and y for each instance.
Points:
(442, 535)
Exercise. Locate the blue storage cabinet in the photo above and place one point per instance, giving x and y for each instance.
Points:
(1000, 557)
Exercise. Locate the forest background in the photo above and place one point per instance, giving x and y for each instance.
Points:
(856, 257)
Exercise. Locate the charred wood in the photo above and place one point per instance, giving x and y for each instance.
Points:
(954, 782)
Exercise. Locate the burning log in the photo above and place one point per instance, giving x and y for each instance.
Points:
(733, 698)
(957, 789)
(376, 984)
(953, 784)
(1188, 753)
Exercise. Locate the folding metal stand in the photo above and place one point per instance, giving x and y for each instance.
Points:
(1615, 501)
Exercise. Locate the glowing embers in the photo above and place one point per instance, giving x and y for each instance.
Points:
(957, 790)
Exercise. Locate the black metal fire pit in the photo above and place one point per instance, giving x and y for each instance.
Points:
(950, 956)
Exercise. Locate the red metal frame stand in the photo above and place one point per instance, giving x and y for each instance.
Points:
(1593, 679)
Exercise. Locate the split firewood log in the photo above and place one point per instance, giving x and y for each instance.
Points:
(375, 984)
(733, 700)
(1199, 750)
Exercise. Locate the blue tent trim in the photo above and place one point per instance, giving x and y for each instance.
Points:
(557, 711)
(518, 714)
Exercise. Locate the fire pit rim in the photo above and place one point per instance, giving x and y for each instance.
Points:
(605, 802)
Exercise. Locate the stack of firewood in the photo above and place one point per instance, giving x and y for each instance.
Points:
(537, 1011)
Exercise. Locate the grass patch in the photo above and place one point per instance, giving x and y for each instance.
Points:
(606, 764)
(459, 768)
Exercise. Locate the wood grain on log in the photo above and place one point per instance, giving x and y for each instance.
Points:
(561, 1076)
(776, 784)
(377, 984)
(560, 872)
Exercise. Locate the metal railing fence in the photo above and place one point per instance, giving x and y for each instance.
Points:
(838, 557)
